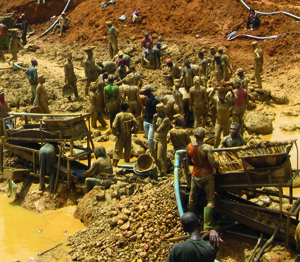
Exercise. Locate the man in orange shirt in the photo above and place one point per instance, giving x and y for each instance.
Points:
(200, 156)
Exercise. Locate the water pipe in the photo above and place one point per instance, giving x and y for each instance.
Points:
(230, 36)
(177, 182)
(55, 21)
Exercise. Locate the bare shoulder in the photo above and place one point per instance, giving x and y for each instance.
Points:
(207, 148)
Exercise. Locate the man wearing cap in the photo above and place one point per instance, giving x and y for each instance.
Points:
(203, 68)
(14, 44)
(172, 73)
(41, 95)
(188, 75)
(234, 139)
(151, 102)
(132, 93)
(121, 56)
(4, 40)
(258, 63)
(223, 112)
(91, 69)
(178, 96)
(33, 79)
(3, 111)
(70, 77)
(100, 166)
(198, 103)
(227, 67)
(146, 40)
(149, 58)
(179, 136)
(123, 126)
(24, 29)
(161, 127)
(112, 99)
(63, 24)
(200, 156)
(113, 39)
(96, 108)
(212, 62)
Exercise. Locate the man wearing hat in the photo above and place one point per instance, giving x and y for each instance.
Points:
(14, 44)
(146, 40)
(32, 75)
(199, 104)
(100, 166)
(203, 68)
(179, 136)
(41, 95)
(178, 97)
(227, 67)
(123, 126)
(223, 112)
(3, 110)
(234, 139)
(24, 29)
(91, 69)
(258, 63)
(161, 127)
(63, 24)
(173, 72)
(97, 106)
(113, 39)
(112, 99)
(200, 156)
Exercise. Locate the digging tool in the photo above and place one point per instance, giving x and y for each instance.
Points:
(46, 251)
(255, 248)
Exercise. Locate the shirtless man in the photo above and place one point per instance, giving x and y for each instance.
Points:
(161, 126)
(96, 106)
(203, 69)
(137, 78)
(199, 103)
(14, 44)
(188, 75)
(212, 62)
(122, 69)
(70, 77)
(234, 139)
(223, 114)
(172, 73)
(132, 93)
(113, 39)
(91, 69)
(241, 80)
(178, 96)
(179, 137)
(41, 95)
(258, 63)
(149, 57)
(227, 67)
(219, 73)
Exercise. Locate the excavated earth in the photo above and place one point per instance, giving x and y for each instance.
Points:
(128, 222)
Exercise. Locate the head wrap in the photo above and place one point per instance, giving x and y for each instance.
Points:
(169, 60)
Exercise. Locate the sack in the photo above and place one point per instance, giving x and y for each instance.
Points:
(122, 18)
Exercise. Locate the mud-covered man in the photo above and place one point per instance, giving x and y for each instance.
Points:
(113, 39)
(198, 103)
(14, 44)
(63, 24)
(96, 107)
(219, 72)
(123, 126)
(161, 126)
(179, 136)
(100, 166)
(234, 139)
(32, 76)
(178, 98)
(41, 95)
(203, 68)
(200, 156)
(149, 57)
(227, 68)
(24, 29)
(258, 63)
(137, 78)
(188, 75)
(146, 40)
(173, 72)
(70, 77)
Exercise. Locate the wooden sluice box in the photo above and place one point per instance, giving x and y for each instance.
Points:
(253, 166)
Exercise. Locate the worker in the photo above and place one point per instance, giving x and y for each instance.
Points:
(4, 40)
(14, 44)
(223, 113)
(134, 16)
(212, 63)
(198, 103)
(178, 98)
(253, 19)
(161, 127)
(132, 94)
(200, 156)
(24, 29)
(112, 99)
(96, 107)
(2, 56)
(63, 24)
(108, 66)
(122, 70)
(151, 102)
(188, 75)
(113, 39)
(146, 40)
(149, 58)
(159, 54)
(179, 137)
(41, 95)
(137, 78)
(100, 166)
(173, 72)
(219, 72)
(3, 111)
(121, 55)
(32, 75)
(258, 63)
(123, 126)
(234, 139)
(227, 68)
(70, 77)
(91, 69)
(195, 248)
(47, 157)
(203, 69)
(241, 80)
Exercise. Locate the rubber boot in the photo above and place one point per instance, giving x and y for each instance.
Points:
(208, 218)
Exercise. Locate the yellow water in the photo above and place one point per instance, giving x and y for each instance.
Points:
(24, 233)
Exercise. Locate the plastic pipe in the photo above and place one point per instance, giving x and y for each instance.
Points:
(55, 21)
(176, 181)
(230, 38)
